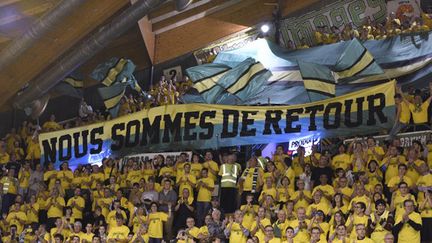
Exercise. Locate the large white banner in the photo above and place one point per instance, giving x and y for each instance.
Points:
(404, 9)
(336, 14)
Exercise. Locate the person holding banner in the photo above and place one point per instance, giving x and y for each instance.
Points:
(418, 108)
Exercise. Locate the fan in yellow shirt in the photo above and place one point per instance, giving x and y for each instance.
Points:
(65, 175)
(55, 205)
(137, 219)
(51, 125)
(77, 226)
(141, 235)
(300, 226)
(418, 108)
(205, 187)
(401, 177)
(359, 217)
(341, 160)
(186, 179)
(32, 210)
(4, 156)
(236, 230)
(408, 224)
(361, 234)
(17, 217)
(211, 165)
(257, 227)
(88, 235)
(196, 166)
(119, 232)
(155, 221)
(112, 215)
(77, 204)
(61, 228)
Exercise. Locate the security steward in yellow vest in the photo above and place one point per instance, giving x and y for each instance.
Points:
(229, 172)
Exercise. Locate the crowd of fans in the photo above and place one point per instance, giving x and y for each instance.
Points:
(364, 192)
(370, 30)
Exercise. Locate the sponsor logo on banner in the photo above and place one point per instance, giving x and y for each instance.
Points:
(305, 142)
(336, 14)
(204, 126)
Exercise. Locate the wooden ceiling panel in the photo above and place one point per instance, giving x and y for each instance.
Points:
(50, 47)
(213, 26)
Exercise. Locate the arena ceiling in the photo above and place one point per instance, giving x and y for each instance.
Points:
(162, 35)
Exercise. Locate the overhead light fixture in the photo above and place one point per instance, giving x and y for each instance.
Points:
(265, 28)
(182, 4)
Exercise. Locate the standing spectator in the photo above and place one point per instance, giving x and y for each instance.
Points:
(402, 116)
(205, 187)
(408, 224)
(155, 221)
(10, 190)
(229, 172)
(85, 110)
(322, 168)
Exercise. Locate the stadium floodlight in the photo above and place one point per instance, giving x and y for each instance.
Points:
(265, 28)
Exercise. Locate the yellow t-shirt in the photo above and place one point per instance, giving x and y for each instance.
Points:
(87, 237)
(405, 114)
(33, 151)
(4, 158)
(248, 178)
(204, 194)
(51, 126)
(56, 211)
(318, 38)
(394, 182)
(155, 228)
(399, 203)
(167, 171)
(260, 234)
(341, 161)
(182, 182)
(357, 220)
(118, 232)
(51, 177)
(65, 232)
(424, 181)
(65, 177)
(32, 213)
(322, 205)
(419, 116)
(249, 215)
(137, 221)
(24, 177)
(407, 233)
(79, 201)
(302, 234)
(214, 166)
(196, 169)
(11, 219)
(97, 177)
(111, 218)
(301, 202)
(412, 172)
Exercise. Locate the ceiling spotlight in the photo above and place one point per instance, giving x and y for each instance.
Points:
(182, 4)
(265, 28)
